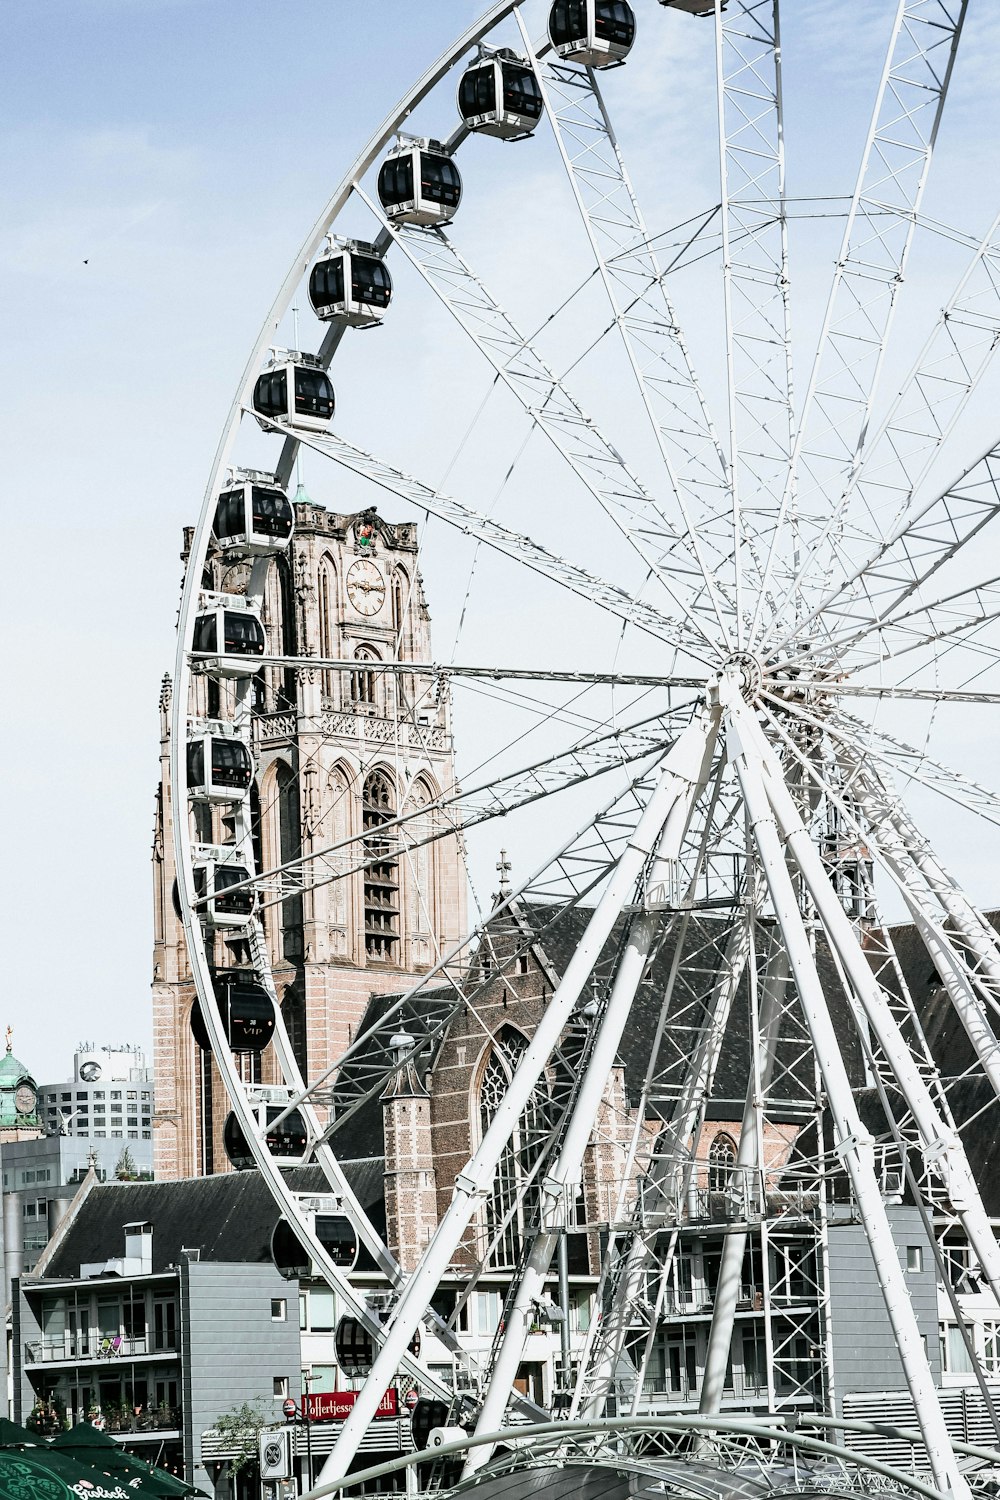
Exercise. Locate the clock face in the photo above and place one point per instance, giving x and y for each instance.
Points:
(24, 1098)
(365, 587)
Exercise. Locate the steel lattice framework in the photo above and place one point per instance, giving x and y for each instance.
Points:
(802, 605)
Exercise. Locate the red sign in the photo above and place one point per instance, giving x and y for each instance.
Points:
(333, 1406)
(288, 1407)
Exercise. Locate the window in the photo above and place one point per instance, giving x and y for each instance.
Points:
(322, 1313)
(280, 1385)
(991, 1348)
(327, 616)
(721, 1163)
(279, 1309)
(381, 877)
(488, 1307)
(509, 1211)
(914, 1257)
(954, 1355)
(363, 686)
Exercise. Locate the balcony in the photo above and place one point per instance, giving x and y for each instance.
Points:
(84, 1347)
(125, 1422)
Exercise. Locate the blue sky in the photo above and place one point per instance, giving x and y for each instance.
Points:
(162, 161)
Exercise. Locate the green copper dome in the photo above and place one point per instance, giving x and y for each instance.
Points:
(18, 1097)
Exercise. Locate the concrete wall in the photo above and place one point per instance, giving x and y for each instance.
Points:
(864, 1350)
(233, 1349)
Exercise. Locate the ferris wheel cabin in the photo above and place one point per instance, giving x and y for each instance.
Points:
(287, 1141)
(418, 183)
(219, 768)
(253, 519)
(335, 1233)
(216, 871)
(355, 1349)
(295, 389)
(594, 33)
(351, 285)
(245, 1010)
(228, 630)
(499, 95)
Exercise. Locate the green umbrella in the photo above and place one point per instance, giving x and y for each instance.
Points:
(12, 1436)
(85, 1482)
(91, 1446)
(23, 1479)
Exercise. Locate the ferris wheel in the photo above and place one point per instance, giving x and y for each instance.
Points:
(778, 610)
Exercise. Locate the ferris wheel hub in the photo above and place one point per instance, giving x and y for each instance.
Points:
(746, 670)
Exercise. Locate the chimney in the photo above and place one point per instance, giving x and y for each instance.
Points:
(139, 1246)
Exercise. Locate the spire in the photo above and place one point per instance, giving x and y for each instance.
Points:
(10, 1041)
(405, 1083)
(503, 867)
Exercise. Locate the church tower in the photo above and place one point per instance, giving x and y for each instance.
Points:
(339, 752)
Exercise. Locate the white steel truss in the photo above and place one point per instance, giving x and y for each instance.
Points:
(833, 427)
(731, 882)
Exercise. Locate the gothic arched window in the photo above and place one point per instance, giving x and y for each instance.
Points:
(721, 1163)
(381, 879)
(293, 1013)
(511, 1206)
(363, 676)
(327, 599)
(400, 604)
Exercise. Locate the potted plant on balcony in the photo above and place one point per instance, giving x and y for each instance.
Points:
(47, 1417)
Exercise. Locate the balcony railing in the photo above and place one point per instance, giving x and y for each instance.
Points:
(95, 1346)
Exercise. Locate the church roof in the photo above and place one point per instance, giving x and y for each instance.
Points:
(559, 933)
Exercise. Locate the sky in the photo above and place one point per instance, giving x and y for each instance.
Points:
(162, 161)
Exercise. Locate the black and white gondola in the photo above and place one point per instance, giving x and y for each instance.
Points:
(594, 33)
(350, 284)
(294, 388)
(253, 516)
(228, 636)
(419, 183)
(217, 869)
(219, 764)
(326, 1223)
(287, 1139)
(246, 1011)
(499, 95)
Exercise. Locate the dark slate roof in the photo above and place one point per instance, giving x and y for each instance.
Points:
(227, 1218)
(559, 932)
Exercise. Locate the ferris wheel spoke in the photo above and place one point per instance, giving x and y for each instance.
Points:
(494, 797)
(945, 375)
(654, 342)
(754, 270)
(881, 221)
(595, 461)
(926, 542)
(510, 543)
(957, 619)
(462, 977)
(907, 760)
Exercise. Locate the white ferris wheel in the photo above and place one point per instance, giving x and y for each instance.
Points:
(800, 610)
